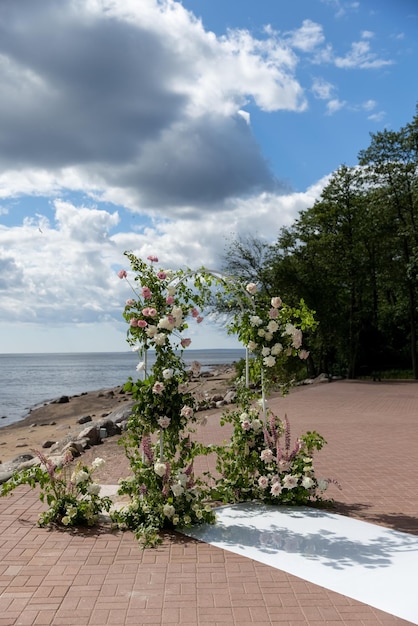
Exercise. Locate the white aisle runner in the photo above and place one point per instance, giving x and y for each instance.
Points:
(368, 563)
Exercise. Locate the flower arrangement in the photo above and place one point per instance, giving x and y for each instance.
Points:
(165, 494)
(259, 463)
(272, 332)
(163, 489)
(72, 495)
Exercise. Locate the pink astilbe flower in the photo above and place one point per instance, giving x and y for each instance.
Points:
(49, 465)
(287, 434)
(167, 474)
(147, 449)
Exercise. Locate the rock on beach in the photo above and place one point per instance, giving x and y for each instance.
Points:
(76, 423)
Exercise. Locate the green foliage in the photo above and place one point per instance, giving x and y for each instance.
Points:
(70, 493)
(164, 491)
(261, 464)
(165, 494)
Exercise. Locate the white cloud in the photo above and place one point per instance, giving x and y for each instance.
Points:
(361, 57)
(377, 117)
(64, 274)
(322, 89)
(369, 105)
(335, 105)
(307, 37)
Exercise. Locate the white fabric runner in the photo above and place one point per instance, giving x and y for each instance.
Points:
(368, 563)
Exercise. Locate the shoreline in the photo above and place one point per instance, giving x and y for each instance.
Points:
(54, 421)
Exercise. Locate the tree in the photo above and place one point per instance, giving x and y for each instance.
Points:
(390, 164)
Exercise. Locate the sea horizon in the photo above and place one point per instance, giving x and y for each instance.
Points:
(30, 379)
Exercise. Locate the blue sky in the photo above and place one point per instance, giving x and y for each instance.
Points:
(169, 128)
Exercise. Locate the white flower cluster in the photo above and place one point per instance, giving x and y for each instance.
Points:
(251, 421)
(266, 341)
(289, 481)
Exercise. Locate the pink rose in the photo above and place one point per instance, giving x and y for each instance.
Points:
(152, 258)
(146, 293)
(186, 411)
(149, 311)
(185, 343)
(162, 275)
(169, 300)
(133, 322)
(142, 324)
(158, 387)
(122, 273)
(130, 302)
(273, 314)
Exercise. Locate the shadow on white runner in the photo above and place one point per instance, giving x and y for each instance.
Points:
(369, 563)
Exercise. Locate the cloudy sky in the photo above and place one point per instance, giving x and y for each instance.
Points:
(169, 128)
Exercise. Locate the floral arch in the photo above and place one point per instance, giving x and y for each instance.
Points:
(259, 462)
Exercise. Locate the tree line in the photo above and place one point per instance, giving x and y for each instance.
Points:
(353, 258)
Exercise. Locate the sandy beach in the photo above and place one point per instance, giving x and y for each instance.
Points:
(54, 421)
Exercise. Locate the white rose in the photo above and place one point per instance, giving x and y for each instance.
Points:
(168, 510)
(151, 330)
(177, 313)
(272, 326)
(252, 346)
(276, 349)
(269, 361)
(166, 324)
(276, 302)
(160, 469)
(168, 373)
(182, 478)
(251, 288)
(255, 320)
(265, 351)
(160, 339)
(307, 482)
(177, 489)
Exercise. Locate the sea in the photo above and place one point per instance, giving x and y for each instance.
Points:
(30, 380)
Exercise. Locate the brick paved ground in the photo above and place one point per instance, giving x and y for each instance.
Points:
(52, 578)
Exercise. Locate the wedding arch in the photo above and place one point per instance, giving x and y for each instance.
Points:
(259, 462)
